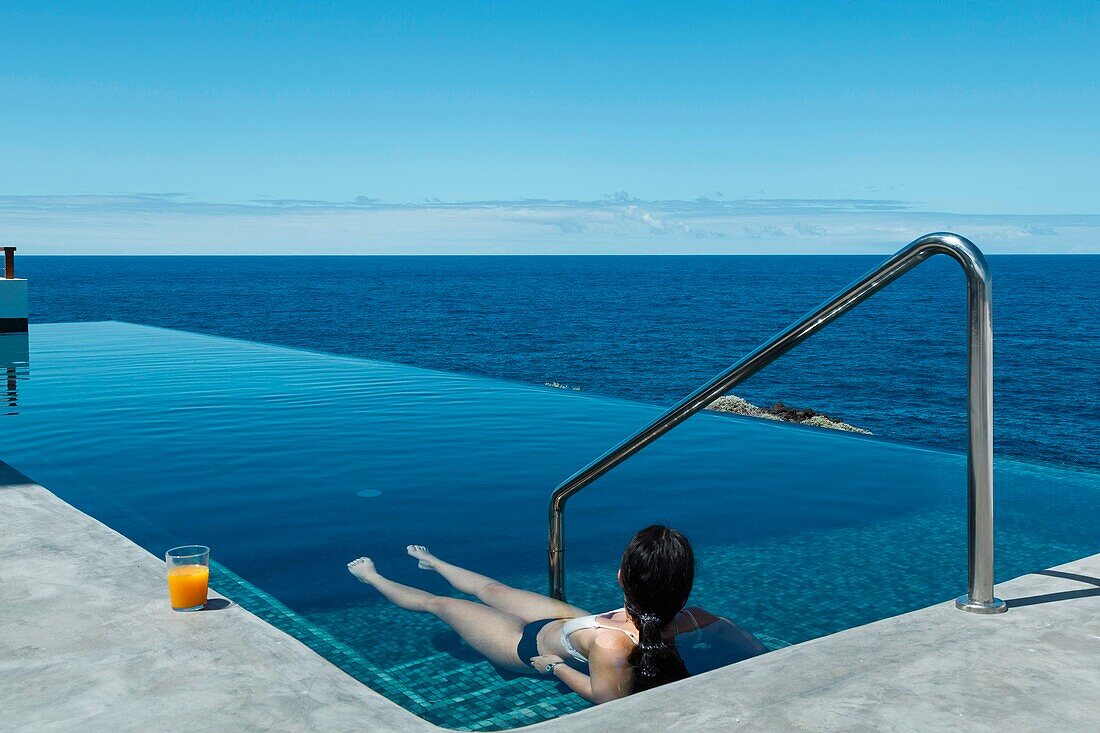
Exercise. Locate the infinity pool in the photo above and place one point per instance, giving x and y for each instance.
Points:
(291, 463)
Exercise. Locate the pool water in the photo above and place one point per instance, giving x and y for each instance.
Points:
(290, 463)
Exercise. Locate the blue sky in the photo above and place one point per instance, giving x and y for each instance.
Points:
(563, 127)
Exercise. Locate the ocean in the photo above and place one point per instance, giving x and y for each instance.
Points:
(649, 328)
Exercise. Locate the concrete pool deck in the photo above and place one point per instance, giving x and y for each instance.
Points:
(101, 651)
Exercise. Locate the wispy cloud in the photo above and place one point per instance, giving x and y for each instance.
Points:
(1042, 231)
(151, 223)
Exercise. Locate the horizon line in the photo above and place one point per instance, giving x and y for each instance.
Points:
(541, 254)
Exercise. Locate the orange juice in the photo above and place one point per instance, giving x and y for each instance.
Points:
(187, 585)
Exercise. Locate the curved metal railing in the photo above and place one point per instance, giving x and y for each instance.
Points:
(979, 597)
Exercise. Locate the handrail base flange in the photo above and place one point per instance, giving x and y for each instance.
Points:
(968, 604)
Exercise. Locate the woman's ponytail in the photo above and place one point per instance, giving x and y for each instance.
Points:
(657, 573)
(656, 660)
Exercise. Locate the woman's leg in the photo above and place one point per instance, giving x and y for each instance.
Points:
(523, 603)
(493, 633)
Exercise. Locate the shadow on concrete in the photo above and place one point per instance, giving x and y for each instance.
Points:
(216, 604)
(1071, 576)
(1067, 595)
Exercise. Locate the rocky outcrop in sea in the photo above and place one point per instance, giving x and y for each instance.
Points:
(782, 413)
(737, 406)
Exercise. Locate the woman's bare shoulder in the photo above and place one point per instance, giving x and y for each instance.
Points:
(609, 644)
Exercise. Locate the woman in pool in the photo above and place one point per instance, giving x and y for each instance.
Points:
(600, 657)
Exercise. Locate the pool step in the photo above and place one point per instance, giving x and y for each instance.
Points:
(265, 606)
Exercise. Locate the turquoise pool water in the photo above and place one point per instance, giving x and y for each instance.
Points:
(290, 463)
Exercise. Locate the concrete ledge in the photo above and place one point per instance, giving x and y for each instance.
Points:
(96, 648)
(88, 643)
(1034, 668)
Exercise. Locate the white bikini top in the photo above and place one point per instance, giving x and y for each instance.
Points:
(574, 625)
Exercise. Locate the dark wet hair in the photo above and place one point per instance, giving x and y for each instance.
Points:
(656, 574)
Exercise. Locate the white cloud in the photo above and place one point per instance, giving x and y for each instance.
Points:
(618, 223)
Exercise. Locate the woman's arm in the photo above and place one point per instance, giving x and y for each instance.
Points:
(744, 642)
(575, 680)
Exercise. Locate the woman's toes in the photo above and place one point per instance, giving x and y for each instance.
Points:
(424, 558)
(362, 568)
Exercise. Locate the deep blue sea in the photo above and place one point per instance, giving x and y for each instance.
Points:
(649, 328)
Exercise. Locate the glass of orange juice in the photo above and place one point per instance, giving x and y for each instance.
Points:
(188, 576)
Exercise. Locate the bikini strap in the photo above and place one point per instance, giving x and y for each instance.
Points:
(596, 624)
(691, 617)
(698, 629)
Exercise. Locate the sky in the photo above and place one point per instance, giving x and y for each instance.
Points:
(426, 128)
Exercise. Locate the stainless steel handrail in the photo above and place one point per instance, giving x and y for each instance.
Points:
(979, 597)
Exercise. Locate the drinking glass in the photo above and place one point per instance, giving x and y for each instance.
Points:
(188, 576)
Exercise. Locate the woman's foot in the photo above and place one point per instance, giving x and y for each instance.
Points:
(363, 568)
(425, 559)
